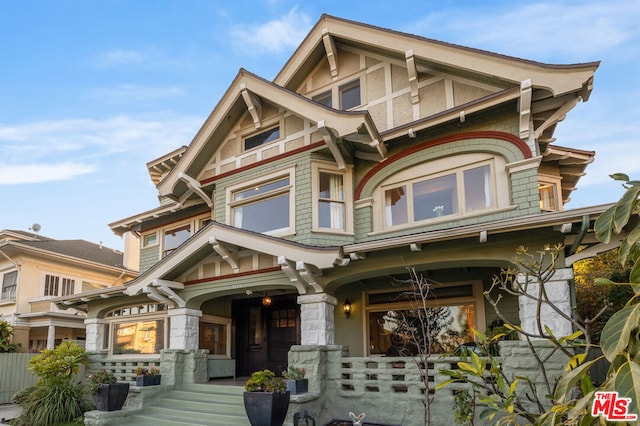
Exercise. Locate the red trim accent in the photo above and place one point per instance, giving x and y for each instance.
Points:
(262, 162)
(481, 134)
(239, 274)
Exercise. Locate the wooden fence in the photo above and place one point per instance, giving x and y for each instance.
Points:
(14, 375)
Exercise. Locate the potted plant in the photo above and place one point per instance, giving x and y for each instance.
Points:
(147, 376)
(295, 381)
(266, 399)
(108, 393)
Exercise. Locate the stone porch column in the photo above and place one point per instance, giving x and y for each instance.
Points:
(94, 329)
(316, 317)
(51, 336)
(558, 293)
(184, 328)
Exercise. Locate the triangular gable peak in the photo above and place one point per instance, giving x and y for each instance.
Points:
(252, 107)
(410, 83)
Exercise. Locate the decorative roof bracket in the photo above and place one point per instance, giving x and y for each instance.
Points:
(525, 108)
(289, 269)
(413, 76)
(309, 276)
(194, 187)
(556, 116)
(166, 287)
(330, 49)
(227, 256)
(254, 106)
(332, 143)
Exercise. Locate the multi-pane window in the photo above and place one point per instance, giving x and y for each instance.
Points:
(550, 193)
(460, 192)
(68, 286)
(136, 329)
(9, 285)
(51, 285)
(349, 95)
(58, 286)
(262, 138)
(264, 207)
(174, 237)
(331, 201)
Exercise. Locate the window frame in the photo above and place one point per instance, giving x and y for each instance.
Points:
(226, 323)
(110, 322)
(345, 87)
(289, 189)
(14, 285)
(147, 237)
(195, 222)
(322, 96)
(555, 182)
(460, 201)
(476, 299)
(347, 182)
(261, 131)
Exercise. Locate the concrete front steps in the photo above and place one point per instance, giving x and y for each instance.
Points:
(194, 404)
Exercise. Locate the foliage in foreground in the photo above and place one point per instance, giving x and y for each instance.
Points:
(55, 398)
(513, 400)
(6, 333)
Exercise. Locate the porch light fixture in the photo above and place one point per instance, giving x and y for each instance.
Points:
(346, 307)
(266, 300)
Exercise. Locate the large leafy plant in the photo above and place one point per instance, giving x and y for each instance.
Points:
(620, 341)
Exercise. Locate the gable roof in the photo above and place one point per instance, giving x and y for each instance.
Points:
(355, 127)
(78, 250)
(433, 54)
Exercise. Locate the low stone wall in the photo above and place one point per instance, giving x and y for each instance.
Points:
(391, 390)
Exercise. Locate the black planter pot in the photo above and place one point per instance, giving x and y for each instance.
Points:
(148, 380)
(266, 408)
(297, 386)
(111, 397)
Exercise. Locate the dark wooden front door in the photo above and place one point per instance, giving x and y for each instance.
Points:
(264, 334)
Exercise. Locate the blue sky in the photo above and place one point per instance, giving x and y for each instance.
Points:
(92, 91)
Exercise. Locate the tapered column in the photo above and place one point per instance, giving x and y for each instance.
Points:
(51, 336)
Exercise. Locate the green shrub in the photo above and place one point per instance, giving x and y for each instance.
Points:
(265, 381)
(6, 333)
(59, 401)
(63, 360)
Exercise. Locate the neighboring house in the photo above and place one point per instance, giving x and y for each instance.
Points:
(35, 269)
(371, 151)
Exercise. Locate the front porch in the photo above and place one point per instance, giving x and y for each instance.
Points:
(388, 389)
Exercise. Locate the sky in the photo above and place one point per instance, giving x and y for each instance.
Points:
(90, 91)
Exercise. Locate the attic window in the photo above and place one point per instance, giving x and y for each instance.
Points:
(262, 138)
(350, 95)
(324, 98)
(549, 192)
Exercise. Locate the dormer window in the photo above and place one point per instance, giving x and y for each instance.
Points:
(349, 95)
(262, 138)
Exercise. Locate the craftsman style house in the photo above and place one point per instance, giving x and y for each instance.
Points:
(286, 228)
(35, 269)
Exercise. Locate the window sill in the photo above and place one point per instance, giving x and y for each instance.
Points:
(440, 220)
(7, 302)
(332, 232)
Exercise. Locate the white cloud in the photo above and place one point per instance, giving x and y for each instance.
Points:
(579, 31)
(133, 92)
(118, 57)
(275, 36)
(39, 173)
(80, 139)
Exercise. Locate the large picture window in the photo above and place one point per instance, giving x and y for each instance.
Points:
(136, 329)
(264, 207)
(215, 335)
(454, 193)
(394, 320)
